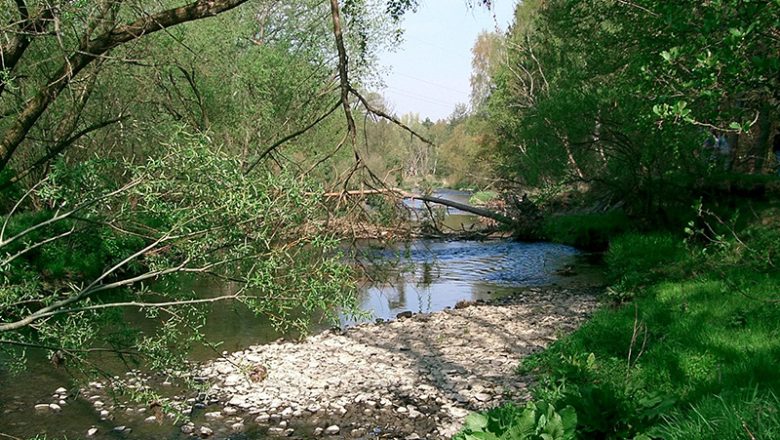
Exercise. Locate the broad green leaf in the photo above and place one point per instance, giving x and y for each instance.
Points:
(476, 422)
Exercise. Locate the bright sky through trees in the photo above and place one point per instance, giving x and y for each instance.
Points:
(429, 72)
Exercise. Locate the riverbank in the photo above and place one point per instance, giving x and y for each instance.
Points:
(688, 348)
(417, 376)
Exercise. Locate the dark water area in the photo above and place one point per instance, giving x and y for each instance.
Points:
(421, 276)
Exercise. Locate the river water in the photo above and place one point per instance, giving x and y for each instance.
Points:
(430, 275)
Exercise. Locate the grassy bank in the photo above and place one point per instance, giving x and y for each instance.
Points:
(687, 345)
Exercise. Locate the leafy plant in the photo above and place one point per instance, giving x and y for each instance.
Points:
(537, 421)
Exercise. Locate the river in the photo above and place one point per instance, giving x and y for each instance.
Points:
(436, 275)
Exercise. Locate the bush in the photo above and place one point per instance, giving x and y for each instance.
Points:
(483, 197)
(586, 231)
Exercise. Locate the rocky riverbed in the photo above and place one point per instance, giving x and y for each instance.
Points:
(417, 376)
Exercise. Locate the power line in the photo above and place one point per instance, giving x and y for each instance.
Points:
(415, 93)
(422, 98)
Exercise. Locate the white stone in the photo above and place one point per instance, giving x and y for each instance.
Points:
(236, 400)
(482, 397)
(458, 413)
(91, 431)
(215, 415)
(233, 380)
(332, 430)
(61, 390)
(205, 431)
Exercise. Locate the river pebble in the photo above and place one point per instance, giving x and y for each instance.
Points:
(423, 367)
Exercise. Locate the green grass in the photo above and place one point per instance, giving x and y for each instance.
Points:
(687, 345)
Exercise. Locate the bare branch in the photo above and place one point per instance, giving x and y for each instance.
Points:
(390, 118)
(291, 136)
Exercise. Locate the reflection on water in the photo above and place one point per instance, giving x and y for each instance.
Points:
(441, 273)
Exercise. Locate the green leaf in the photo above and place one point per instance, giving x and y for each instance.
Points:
(527, 421)
(476, 422)
(569, 421)
(482, 436)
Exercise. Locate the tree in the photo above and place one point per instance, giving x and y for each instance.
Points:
(486, 57)
(168, 190)
(623, 95)
(259, 231)
(98, 31)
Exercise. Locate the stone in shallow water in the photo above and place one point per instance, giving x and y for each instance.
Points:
(216, 415)
(205, 431)
(332, 430)
(91, 431)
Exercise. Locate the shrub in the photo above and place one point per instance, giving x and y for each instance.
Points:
(586, 231)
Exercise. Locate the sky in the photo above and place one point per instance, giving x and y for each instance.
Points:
(429, 72)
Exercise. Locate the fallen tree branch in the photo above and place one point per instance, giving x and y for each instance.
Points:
(501, 218)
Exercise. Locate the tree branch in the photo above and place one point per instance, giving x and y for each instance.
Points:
(291, 137)
(91, 50)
